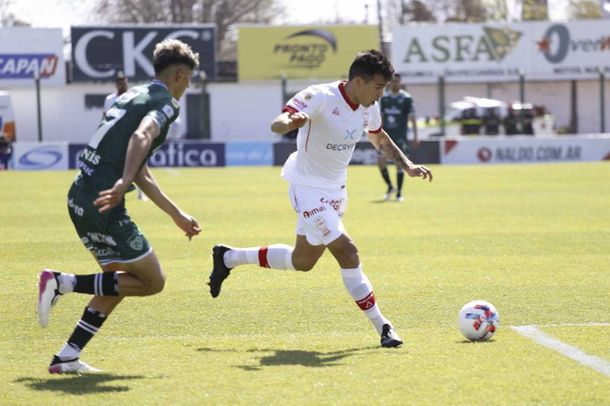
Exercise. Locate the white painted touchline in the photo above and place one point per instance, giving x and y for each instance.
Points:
(596, 363)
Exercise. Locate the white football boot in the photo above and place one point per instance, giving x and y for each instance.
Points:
(47, 295)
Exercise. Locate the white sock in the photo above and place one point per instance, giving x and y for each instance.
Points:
(67, 281)
(275, 256)
(359, 286)
(68, 352)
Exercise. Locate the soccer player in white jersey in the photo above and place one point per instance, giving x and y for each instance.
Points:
(331, 118)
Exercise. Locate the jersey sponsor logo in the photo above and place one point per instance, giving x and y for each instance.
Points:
(335, 204)
(392, 110)
(340, 147)
(351, 135)
(79, 211)
(105, 253)
(299, 103)
(309, 213)
(24, 66)
(168, 111)
(101, 239)
(90, 156)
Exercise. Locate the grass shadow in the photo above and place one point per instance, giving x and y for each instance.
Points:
(465, 341)
(79, 384)
(311, 359)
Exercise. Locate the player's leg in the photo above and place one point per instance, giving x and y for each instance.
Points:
(359, 287)
(141, 277)
(383, 169)
(400, 176)
(137, 278)
(302, 257)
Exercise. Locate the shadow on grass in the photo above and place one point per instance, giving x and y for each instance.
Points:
(465, 341)
(312, 359)
(79, 384)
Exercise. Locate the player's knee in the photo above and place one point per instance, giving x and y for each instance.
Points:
(156, 285)
(302, 265)
(348, 257)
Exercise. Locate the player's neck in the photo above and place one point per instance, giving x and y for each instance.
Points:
(350, 92)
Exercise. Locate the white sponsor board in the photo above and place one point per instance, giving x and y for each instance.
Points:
(518, 150)
(40, 156)
(498, 52)
(26, 52)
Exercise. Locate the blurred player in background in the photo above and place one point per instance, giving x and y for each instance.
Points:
(120, 82)
(117, 155)
(331, 118)
(397, 110)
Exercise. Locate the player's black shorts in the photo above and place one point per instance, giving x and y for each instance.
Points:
(112, 236)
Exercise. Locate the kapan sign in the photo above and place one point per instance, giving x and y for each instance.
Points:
(29, 53)
(98, 53)
(500, 52)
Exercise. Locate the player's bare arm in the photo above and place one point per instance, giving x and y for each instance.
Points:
(288, 121)
(139, 145)
(390, 151)
(149, 185)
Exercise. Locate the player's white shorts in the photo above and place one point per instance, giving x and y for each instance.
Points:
(319, 212)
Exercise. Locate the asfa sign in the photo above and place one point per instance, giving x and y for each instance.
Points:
(99, 52)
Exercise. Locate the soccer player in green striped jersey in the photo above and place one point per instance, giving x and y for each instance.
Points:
(397, 110)
(117, 155)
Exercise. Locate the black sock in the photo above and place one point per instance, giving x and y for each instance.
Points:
(86, 328)
(386, 177)
(400, 176)
(98, 284)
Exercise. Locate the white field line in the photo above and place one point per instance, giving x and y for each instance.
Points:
(171, 171)
(591, 361)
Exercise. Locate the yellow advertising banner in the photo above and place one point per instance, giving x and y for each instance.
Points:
(301, 52)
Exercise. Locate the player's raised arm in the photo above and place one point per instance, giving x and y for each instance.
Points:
(386, 146)
(288, 121)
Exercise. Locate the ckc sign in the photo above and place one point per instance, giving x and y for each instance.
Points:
(99, 52)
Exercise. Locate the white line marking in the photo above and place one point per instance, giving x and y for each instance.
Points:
(171, 171)
(596, 363)
(571, 325)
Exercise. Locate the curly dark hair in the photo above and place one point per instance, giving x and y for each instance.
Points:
(174, 52)
(370, 63)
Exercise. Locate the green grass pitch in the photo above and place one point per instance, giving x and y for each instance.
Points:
(534, 240)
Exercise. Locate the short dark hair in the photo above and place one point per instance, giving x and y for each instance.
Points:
(174, 52)
(370, 63)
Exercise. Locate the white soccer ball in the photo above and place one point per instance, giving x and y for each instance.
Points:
(478, 320)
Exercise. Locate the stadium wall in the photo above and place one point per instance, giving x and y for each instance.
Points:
(243, 111)
(61, 155)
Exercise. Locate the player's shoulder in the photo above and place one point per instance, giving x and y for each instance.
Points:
(322, 89)
(405, 94)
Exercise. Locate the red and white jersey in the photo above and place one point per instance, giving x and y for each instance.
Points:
(326, 143)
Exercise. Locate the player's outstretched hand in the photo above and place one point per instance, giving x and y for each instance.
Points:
(109, 198)
(298, 120)
(420, 171)
(188, 224)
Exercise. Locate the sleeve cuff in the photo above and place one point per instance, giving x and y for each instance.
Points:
(377, 131)
(289, 109)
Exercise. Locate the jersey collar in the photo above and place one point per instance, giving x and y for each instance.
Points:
(158, 82)
(351, 104)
